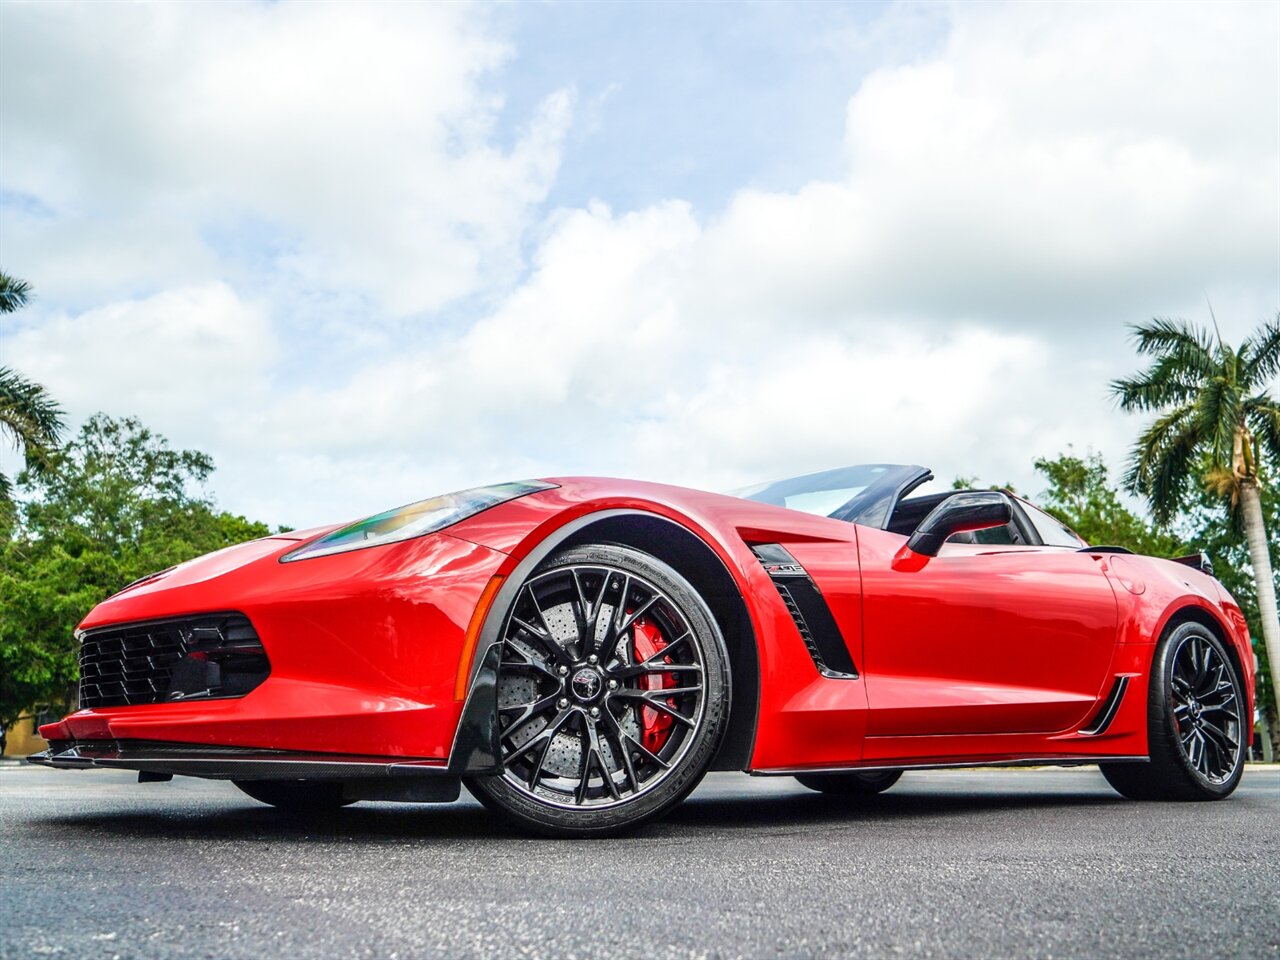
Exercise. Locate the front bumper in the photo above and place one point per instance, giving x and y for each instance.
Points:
(365, 651)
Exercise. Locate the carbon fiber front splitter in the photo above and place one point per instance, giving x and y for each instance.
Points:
(390, 778)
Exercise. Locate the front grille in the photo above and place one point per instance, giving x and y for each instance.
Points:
(160, 661)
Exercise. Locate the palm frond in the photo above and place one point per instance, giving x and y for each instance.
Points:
(31, 417)
(1165, 337)
(1261, 353)
(1218, 414)
(1184, 357)
(1161, 461)
(1263, 417)
(14, 293)
(1161, 384)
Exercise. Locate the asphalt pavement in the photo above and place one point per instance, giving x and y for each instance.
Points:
(1028, 863)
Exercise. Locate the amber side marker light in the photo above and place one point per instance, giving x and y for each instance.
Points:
(473, 635)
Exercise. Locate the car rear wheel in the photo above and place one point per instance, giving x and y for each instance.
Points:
(1195, 729)
(854, 783)
(613, 694)
(296, 796)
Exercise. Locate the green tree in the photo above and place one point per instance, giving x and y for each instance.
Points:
(1217, 423)
(115, 504)
(1082, 496)
(30, 418)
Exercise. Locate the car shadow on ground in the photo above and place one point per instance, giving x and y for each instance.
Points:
(432, 822)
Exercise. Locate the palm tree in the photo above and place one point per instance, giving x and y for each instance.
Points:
(28, 415)
(1216, 418)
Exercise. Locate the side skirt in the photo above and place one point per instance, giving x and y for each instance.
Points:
(927, 765)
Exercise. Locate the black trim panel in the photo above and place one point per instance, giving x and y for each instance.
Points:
(1107, 712)
(813, 619)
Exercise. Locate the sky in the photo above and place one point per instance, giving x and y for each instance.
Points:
(367, 253)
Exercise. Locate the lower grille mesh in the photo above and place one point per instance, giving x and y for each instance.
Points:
(212, 655)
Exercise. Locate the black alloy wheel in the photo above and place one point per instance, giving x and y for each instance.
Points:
(1195, 725)
(852, 783)
(613, 693)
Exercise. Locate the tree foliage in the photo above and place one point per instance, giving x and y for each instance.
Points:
(29, 417)
(1082, 496)
(115, 504)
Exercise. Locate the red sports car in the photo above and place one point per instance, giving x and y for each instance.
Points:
(579, 652)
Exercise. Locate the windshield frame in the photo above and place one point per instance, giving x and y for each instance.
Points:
(871, 506)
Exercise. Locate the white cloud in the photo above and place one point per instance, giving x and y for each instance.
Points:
(187, 360)
(358, 138)
(1046, 174)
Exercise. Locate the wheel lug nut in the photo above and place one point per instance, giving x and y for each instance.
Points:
(563, 669)
(563, 703)
(593, 659)
(595, 711)
(613, 684)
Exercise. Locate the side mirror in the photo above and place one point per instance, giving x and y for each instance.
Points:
(964, 511)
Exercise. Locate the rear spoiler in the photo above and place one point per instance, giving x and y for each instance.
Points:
(1199, 561)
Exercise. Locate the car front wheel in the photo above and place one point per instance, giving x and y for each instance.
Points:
(613, 694)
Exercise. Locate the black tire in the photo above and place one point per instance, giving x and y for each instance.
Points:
(296, 796)
(1194, 729)
(853, 783)
(592, 742)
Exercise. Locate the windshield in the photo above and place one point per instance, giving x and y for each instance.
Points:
(861, 494)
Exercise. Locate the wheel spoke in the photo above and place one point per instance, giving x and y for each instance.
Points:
(1195, 748)
(542, 633)
(625, 621)
(658, 700)
(627, 673)
(1227, 705)
(543, 737)
(1218, 734)
(629, 743)
(527, 712)
(594, 748)
(618, 741)
(527, 663)
(587, 612)
(656, 662)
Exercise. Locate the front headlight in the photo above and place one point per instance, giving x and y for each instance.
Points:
(415, 519)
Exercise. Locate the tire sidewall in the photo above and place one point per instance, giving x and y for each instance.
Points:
(495, 793)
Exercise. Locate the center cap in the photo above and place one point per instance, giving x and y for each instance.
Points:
(586, 684)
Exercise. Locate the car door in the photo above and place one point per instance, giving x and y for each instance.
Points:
(983, 638)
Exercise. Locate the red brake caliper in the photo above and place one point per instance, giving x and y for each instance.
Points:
(654, 724)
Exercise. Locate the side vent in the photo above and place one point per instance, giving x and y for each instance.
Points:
(818, 628)
(1107, 712)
